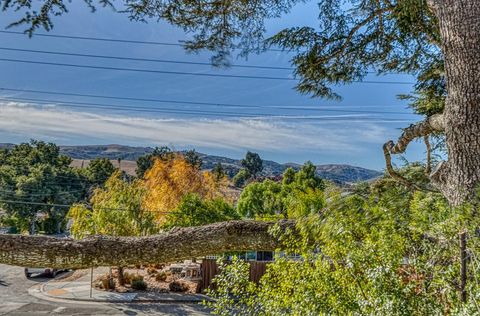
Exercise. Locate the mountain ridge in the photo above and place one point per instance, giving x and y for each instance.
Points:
(339, 173)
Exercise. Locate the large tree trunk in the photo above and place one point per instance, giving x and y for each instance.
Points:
(459, 22)
(183, 243)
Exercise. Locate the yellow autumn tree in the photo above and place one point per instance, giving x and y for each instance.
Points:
(169, 180)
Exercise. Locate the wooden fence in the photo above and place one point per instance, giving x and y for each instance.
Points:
(210, 270)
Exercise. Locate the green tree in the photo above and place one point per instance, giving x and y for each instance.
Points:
(307, 178)
(193, 158)
(434, 40)
(99, 170)
(261, 199)
(253, 164)
(298, 196)
(194, 211)
(219, 172)
(241, 178)
(116, 210)
(146, 162)
(288, 176)
(37, 180)
(384, 254)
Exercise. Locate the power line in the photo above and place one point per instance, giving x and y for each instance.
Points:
(126, 108)
(175, 102)
(71, 205)
(284, 107)
(188, 112)
(180, 72)
(31, 192)
(88, 38)
(34, 203)
(144, 70)
(139, 59)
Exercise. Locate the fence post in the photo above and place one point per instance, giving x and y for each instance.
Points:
(91, 282)
(463, 266)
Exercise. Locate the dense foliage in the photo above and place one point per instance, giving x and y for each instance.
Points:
(194, 211)
(168, 181)
(146, 162)
(252, 163)
(116, 211)
(385, 250)
(36, 181)
(299, 194)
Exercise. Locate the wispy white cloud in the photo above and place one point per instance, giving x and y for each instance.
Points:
(55, 123)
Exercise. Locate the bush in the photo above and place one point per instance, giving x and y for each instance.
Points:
(161, 276)
(159, 266)
(139, 284)
(127, 277)
(136, 277)
(107, 282)
(151, 271)
(178, 286)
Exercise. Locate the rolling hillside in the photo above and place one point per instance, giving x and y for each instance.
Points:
(338, 173)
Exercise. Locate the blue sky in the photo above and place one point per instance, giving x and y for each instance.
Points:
(310, 129)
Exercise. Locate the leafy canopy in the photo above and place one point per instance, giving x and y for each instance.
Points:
(116, 210)
(169, 180)
(252, 163)
(389, 253)
(194, 211)
(300, 193)
(37, 173)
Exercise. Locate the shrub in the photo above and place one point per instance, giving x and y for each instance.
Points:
(178, 286)
(138, 283)
(159, 266)
(136, 277)
(161, 276)
(151, 271)
(127, 277)
(107, 282)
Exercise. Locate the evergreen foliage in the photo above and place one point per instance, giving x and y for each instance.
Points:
(36, 173)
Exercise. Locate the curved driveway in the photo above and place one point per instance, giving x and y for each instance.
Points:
(15, 300)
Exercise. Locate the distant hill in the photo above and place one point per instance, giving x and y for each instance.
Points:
(341, 174)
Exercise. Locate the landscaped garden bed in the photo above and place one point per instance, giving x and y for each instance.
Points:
(152, 278)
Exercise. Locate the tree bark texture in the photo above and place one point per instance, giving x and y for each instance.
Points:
(178, 244)
(459, 22)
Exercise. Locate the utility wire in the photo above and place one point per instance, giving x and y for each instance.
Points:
(284, 107)
(145, 70)
(180, 111)
(31, 192)
(140, 59)
(67, 205)
(182, 72)
(130, 109)
(234, 115)
(88, 38)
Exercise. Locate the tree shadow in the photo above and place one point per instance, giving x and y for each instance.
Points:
(163, 308)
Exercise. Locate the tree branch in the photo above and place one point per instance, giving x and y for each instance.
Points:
(432, 124)
(178, 244)
(428, 168)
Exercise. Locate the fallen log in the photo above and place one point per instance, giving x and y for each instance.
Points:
(178, 244)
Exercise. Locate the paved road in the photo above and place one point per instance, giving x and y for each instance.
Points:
(15, 300)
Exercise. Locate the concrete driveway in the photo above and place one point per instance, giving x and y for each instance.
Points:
(15, 300)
